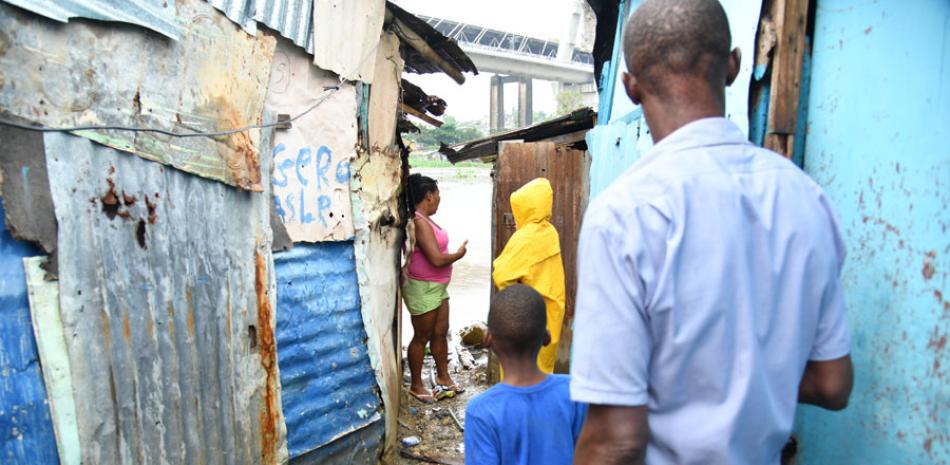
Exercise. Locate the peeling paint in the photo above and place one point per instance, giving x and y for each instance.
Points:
(893, 208)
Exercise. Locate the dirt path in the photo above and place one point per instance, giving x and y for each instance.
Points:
(432, 423)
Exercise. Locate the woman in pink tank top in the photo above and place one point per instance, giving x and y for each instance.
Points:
(425, 288)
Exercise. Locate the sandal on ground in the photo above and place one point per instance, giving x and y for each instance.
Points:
(454, 388)
(424, 398)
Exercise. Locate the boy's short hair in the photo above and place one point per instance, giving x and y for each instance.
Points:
(517, 319)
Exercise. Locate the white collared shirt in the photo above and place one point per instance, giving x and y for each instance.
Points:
(708, 275)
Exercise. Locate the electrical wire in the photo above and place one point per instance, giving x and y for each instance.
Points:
(329, 90)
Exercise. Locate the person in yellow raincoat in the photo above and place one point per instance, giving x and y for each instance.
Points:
(533, 257)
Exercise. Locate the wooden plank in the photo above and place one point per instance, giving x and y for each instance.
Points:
(431, 457)
(789, 17)
(54, 358)
(568, 171)
(412, 39)
(418, 114)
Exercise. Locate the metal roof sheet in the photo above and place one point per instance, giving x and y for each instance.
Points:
(328, 387)
(157, 15)
(293, 19)
(346, 36)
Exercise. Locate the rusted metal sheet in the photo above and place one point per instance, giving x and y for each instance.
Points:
(878, 147)
(346, 36)
(292, 19)
(26, 430)
(157, 15)
(329, 390)
(567, 170)
(28, 208)
(166, 298)
(213, 79)
(312, 159)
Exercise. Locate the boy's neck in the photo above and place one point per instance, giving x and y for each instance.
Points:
(521, 371)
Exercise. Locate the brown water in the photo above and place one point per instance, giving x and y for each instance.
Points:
(465, 212)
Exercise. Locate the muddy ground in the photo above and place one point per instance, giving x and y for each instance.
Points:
(440, 438)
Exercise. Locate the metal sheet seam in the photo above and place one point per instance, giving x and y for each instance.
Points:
(149, 14)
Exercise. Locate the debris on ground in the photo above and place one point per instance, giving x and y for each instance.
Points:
(432, 458)
(439, 427)
(474, 335)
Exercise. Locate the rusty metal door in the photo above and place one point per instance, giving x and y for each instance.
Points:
(568, 170)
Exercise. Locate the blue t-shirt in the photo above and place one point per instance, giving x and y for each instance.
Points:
(523, 425)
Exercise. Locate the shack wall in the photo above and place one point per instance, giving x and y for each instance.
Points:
(878, 125)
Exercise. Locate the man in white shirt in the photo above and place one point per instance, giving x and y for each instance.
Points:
(709, 301)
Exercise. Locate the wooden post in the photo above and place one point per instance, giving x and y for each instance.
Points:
(418, 114)
(789, 18)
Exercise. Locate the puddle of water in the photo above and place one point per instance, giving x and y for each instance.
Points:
(465, 212)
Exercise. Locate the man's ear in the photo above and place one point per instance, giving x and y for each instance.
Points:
(735, 59)
(486, 342)
(632, 86)
(547, 338)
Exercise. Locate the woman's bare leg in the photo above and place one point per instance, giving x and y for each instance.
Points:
(422, 326)
(440, 344)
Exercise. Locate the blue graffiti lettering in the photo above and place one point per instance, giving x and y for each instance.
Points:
(280, 177)
(343, 171)
(323, 205)
(303, 159)
(289, 202)
(280, 209)
(305, 216)
(323, 166)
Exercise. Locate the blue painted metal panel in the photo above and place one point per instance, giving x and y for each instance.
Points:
(877, 142)
(26, 431)
(361, 446)
(329, 388)
(615, 147)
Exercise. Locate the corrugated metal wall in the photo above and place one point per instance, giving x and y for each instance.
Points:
(26, 431)
(293, 19)
(329, 387)
(878, 132)
(165, 298)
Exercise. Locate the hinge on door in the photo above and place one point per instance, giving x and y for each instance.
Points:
(507, 219)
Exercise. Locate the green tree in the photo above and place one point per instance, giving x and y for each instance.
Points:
(568, 101)
(451, 132)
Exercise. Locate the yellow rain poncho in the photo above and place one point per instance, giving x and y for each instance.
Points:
(533, 257)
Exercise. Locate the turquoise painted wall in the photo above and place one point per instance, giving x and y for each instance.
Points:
(879, 143)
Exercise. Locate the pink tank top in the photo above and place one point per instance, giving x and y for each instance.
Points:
(419, 267)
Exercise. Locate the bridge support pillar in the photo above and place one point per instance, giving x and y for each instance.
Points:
(525, 98)
(497, 102)
(496, 112)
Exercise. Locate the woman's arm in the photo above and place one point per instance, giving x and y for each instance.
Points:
(425, 241)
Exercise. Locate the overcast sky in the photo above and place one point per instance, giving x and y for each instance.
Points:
(543, 19)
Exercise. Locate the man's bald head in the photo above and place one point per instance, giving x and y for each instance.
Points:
(669, 38)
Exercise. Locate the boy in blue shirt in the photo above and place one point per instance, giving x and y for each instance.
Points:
(529, 418)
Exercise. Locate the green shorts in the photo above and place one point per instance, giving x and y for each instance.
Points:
(423, 296)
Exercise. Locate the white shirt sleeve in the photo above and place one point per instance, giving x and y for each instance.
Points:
(832, 339)
(612, 337)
